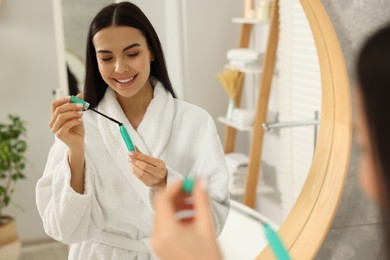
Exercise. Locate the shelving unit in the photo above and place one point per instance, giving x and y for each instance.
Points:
(263, 189)
(257, 131)
(232, 124)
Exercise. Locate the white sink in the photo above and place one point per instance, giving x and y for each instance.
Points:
(243, 236)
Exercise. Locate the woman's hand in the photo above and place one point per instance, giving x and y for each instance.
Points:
(151, 171)
(66, 122)
(173, 239)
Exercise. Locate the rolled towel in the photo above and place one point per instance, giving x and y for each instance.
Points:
(243, 117)
(242, 65)
(245, 63)
(237, 166)
(236, 161)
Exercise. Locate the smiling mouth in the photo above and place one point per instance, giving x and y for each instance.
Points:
(126, 81)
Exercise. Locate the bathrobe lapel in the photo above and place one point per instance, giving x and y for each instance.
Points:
(152, 135)
(156, 126)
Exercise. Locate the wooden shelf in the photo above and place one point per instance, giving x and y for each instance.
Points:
(241, 20)
(245, 70)
(262, 189)
(230, 123)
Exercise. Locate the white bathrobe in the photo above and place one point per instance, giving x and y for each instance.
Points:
(113, 218)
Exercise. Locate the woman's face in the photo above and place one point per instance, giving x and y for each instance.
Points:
(368, 175)
(124, 58)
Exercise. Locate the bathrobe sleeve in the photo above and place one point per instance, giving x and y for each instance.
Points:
(211, 163)
(198, 153)
(67, 216)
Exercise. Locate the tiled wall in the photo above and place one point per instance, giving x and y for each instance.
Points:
(356, 230)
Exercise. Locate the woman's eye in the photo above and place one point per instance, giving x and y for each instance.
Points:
(105, 59)
(133, 54)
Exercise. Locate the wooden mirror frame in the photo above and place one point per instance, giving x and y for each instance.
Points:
(307, 225)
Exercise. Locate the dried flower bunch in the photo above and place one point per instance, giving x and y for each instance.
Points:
(231, 79)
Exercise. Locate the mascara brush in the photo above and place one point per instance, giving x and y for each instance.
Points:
(122, 129)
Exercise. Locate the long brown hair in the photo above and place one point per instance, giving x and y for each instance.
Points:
(373, 72)
(121, 14)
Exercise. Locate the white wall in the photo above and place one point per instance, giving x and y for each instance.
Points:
(209, 34)
(28, 74)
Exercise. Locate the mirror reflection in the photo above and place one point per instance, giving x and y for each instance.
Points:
(294, 105)
(292, 117)
(88, 169)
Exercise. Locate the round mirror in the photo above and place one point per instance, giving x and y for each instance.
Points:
(303, 165)
(311, 206)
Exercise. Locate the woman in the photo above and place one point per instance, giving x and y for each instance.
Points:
(373, 134)
(93, 194)
(373, 124)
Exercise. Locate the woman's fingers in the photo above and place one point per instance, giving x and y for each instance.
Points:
(65, 121)
(65, 117)
(64, 130)
(151, 171)
(157, 172)
(164, 202)
(147, 178)
(80, 95)
(59, 102)
(148, 159)
(66, 107)
(165, 222)
(202, 206)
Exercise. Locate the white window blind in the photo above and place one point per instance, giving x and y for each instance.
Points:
(299, 97)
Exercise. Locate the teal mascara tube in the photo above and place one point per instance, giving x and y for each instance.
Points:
(275, 243)
(74, 99)
(122, 129)
(126, 138)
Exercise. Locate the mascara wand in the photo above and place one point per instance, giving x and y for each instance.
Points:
(122, 129)
(110, 118)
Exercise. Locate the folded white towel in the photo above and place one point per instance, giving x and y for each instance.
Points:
(245, 63)
(243, 117)
(236, 161)
(243, 67)
(238, 167)
(243, 54)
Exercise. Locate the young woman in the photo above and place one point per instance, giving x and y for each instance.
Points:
(373, 124)
(94, 194)
(373, 135)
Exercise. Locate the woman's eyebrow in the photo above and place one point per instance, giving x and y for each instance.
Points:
(125, 49)
(131, 46)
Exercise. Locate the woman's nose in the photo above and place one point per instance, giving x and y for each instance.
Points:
(121, 67)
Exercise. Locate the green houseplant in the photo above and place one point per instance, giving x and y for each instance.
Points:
(12, 165)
